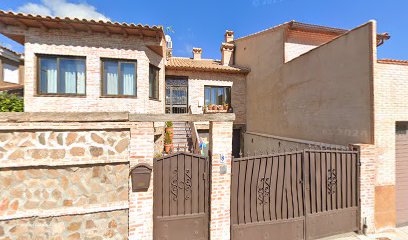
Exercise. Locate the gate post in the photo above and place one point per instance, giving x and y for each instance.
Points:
(221, 150)
(141, 150)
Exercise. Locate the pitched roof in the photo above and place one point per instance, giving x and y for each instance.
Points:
(306, 27)
(47, 22)
(393, 61)
(178, 63)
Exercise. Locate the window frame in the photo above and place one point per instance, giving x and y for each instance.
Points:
(58, 57)
(120, 83)
(157, 85)
(225, 95)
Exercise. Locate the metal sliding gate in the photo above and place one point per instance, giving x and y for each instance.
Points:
(181, 197)
(305, 194)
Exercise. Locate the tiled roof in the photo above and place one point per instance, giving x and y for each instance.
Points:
(12, 51)
(178, 63)
(298, 26)
(393, 61)
(46, 22)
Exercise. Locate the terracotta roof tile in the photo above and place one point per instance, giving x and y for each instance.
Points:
(178, 63)
(393, 61)
(13, 18)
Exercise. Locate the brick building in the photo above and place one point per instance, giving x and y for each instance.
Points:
(292, 85)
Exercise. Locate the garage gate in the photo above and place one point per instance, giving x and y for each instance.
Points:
(305, 194)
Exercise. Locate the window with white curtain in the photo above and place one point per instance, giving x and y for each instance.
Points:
(119, 77)
(62, 75)
(10, 73)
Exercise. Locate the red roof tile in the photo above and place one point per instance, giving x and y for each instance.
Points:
(178, 63)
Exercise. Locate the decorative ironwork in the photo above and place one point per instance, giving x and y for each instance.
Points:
(263, 191)
(174, 185)
(186, 185)
(331, 181)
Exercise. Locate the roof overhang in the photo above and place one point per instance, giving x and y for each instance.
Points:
(15, 25)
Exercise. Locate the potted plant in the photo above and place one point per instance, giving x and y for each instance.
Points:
(167, 142)
(169, 128)
(225, 106)
(220, 107)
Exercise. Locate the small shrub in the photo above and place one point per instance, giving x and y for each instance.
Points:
(11, 103)
(169, 124)
(167, 138)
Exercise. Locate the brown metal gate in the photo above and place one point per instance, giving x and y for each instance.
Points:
(181, 193)
(298, 195)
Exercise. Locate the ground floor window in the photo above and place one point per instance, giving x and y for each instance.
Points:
(217, 95)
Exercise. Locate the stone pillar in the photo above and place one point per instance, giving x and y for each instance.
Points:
(220, 145)
(141, 150)
(368, 159)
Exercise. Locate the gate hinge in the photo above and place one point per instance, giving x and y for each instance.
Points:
(359, 163)
(204, 176)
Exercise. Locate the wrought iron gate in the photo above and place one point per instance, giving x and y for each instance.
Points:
(181, 193)
(305, 194)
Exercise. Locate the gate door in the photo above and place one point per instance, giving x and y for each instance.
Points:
(332, 199)
(181, 193)
(298, 195)
(267, 197)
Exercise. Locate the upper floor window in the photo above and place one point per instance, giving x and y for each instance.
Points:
(61, 75)
(154, 82)
(217, 95)
(119, 78)
(10, 73)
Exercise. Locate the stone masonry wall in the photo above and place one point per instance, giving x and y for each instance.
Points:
(64, 184)
(93, 47)
(104, 225)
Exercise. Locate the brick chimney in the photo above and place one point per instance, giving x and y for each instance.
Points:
(197, 53)
(229, 36)
(227, 52)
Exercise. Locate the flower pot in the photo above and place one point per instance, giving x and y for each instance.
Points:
(170, 130)
(220, 107)
(167, 147)
(226, 107)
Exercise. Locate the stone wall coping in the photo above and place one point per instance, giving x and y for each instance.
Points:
(110, 117)
(58, 163)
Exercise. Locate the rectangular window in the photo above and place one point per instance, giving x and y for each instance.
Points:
(217, 95)
(61, 75)
(10, 73)
(153, 82)
(119, 78)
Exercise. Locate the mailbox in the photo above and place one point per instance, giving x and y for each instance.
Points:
(141, 175)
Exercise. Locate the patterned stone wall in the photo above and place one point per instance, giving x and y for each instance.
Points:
(105, 225)
(24, 147)
(29, 190)
(64, 184)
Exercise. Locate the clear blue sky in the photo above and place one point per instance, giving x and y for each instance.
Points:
(203, 23)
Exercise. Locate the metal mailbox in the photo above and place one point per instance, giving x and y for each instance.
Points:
(141, 175)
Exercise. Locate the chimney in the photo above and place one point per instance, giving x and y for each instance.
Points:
(197, 53)
(229, 36)
(169, 47)
(227, 51)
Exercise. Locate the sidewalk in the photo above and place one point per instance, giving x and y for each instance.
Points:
(398, 234)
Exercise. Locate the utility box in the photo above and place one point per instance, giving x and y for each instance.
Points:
(141, 175)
